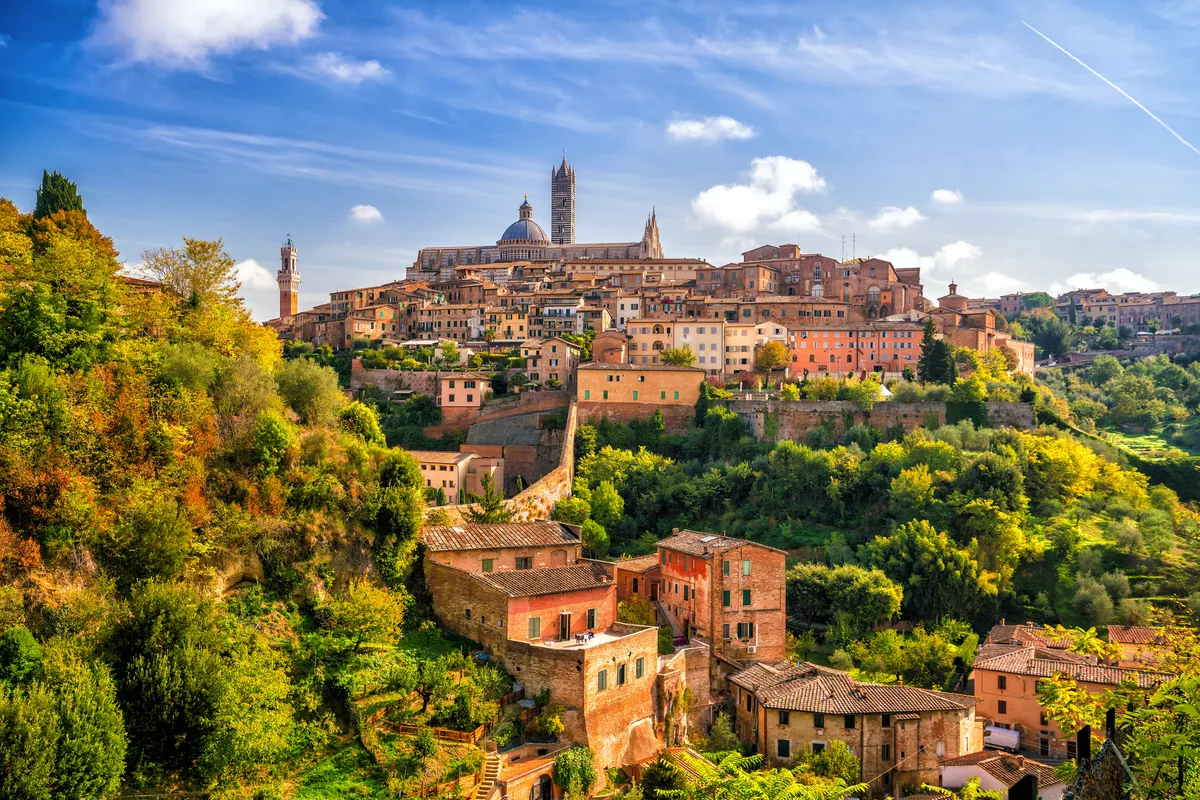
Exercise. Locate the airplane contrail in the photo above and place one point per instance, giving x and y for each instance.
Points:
(1124, 93)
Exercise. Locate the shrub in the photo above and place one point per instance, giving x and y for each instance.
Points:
(310, 389)
(666, 641)
(576, 764)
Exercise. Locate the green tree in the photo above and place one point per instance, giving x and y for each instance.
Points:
(678, 356)
(771, 356)
(661, 778)
(29, 731)
(310, 389)
(926, 369)
(939, 578)
(636, 611)
(56, 194)
(836, 763)
(151, 540)
(721, 737)
(200, 273)
(273, 438)
(911, 493)
(448, 350)
(90, 752)
(20, 656)
(572, 510)
(595, 539)
(488, 507)
(608, 507)
(789, 392)
(575, 764)
(364, 613)
(361, 420)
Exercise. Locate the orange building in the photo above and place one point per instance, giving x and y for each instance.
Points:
(1005, 676)
(636, 391)
(462, 391)
(727, 592)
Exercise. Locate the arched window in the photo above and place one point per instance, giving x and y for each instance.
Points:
(812, 358)
(873, 295)
(658, 345)
(818, 290)
(846, 293)
(791, 291)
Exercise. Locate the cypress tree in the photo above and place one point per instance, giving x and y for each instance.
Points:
(924, 361)
(56, 194)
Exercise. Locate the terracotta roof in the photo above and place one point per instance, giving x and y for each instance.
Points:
(808, 687)
(470, 536)
(549, 580)
(1004, 767)
(703, 545)
(1028, 634)
(641, 367)
(1041, 663)
(1133, 634)
(639, 564)
(440, 456)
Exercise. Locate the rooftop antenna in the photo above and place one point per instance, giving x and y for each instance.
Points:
(843, 247)
(853, 246)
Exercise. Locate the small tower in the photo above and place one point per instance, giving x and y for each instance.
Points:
(562, 203)
(289, 280)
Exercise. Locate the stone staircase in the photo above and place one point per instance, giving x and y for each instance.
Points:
(491, 771)
(676, 629)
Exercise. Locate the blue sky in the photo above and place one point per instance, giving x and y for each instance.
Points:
(947, 135)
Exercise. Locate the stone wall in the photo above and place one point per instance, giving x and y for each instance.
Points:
(538, 500)
(795, 418)
(389, 380)
(676, 418)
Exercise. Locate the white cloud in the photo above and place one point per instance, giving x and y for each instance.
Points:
(992, 284)
(1116, 281)
(347, 70)
(365, 214)
(893, 218)
(767, 200)
(709, 129)
(254, 275)
(185, 33)
(946, 257)
(947, 197)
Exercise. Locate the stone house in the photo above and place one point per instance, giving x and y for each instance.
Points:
(726, 592)
(900, 734)
(523, 593)
(1140, 647)
(635, 391)
(457, 474)
(998, 772)
(1005, 676)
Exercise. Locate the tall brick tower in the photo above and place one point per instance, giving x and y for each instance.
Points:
(289, 280)
(562, 203)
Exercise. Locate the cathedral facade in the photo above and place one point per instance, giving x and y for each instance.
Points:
(526, 240)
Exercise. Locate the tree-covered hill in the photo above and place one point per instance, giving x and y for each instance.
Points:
(154, 450)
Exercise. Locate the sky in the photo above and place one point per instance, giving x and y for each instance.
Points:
(1008, 145)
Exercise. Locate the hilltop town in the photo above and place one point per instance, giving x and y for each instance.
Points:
(554, 520)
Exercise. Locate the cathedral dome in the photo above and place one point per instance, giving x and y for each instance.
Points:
(525, 230)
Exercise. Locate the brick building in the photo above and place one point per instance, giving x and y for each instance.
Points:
(727, 592)
(457, 474)
(1005, 675)
(1140, 647)
(497, 548)
(635, 391)
(550, 359)
(899, 734)
(527, 611)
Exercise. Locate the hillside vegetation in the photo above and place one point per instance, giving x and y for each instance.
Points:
(207, 554)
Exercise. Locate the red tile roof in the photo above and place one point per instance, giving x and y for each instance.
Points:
(1133, 634)
(703, 545)
(1006, 768)
(550, 580)
(471, 536)
(1041, 663)
(638, 564)
(440, 456)
(808, 687)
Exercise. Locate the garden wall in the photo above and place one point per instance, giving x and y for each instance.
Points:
(676, 418)
(794, 418)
